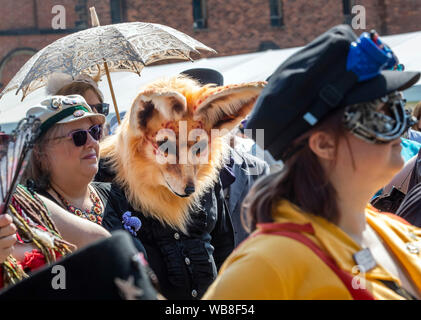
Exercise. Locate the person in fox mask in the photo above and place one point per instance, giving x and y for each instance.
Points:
(186, 227)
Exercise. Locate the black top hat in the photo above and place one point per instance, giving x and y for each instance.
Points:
(315, 81)
(205, 76)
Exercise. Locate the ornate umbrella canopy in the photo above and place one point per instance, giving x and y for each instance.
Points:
(125, 47)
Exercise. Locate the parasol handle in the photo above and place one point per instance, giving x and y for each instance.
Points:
(94, 17)
(95, 23)
(112, 92)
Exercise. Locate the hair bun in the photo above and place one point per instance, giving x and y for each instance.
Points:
(56, 81)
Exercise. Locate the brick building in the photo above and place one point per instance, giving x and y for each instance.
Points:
(228, 26)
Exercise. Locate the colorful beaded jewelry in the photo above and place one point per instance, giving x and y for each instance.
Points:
(93, 215)
(34, 225)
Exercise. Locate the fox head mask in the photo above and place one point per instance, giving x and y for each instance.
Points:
(170, 147)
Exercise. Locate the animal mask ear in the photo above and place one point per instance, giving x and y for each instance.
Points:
(224, 107)
(170, 104)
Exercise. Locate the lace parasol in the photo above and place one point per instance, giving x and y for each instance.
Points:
(118, 47)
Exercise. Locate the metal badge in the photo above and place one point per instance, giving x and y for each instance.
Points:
(69, 101)
(78, 113)
(412, 248)
(364, 259)
(56, 104)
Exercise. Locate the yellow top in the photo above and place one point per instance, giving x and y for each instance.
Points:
(276, 267)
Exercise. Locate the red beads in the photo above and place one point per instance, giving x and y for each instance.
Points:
(78, 212)
(98, 210)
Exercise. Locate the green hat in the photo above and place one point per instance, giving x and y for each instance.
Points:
(63, 109)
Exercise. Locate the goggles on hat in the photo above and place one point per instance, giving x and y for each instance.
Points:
(379, 122)
(80, 137)
(368, 55)
(386, 120)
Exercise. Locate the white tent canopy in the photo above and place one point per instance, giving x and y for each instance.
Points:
(235, 69)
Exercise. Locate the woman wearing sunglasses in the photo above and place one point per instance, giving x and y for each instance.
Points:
(65, 156)
(64, 162)
(37, 236)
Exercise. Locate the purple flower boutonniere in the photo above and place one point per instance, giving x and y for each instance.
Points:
(131, 224)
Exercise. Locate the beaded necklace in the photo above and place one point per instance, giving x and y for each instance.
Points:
(94, 215)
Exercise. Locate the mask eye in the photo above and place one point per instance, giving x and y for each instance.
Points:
(167, 147)
(200, 146)
(161, 142)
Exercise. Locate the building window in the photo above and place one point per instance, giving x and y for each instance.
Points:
(116, 11)
(12, 62)
(199, 14)
(347, 10)
(81, 11)
(267, 45)
(276, 13)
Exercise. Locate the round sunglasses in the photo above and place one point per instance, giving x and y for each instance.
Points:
(80, 137)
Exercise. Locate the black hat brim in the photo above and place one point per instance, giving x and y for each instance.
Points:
(205, 76)
(386, 82)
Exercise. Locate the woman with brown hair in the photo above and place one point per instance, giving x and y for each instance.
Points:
(65, 155)
(43, 221)
(334, 117)
(60, 84)
(417, 114)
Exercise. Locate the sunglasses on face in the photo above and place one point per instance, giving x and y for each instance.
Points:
(80, 137)
(102, 108)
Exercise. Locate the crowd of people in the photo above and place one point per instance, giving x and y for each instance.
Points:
(335, 197)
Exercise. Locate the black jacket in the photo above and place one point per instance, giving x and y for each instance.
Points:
(410, 208)
(186, 265)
